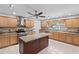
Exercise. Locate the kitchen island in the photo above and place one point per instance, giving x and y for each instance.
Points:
(32, 44)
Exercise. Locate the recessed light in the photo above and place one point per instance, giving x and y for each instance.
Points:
(14, 13)
(69, 14)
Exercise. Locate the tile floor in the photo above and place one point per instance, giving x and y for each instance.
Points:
(54, 47)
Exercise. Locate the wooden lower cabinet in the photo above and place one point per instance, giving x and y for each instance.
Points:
(69, 38)
(7, 39)
(55, 35)
(4, 41)
(66, 37)
(76, 39)
(13, 38)
(62, 36)
(0, 41)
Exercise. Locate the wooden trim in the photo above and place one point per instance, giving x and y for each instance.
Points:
(8, 46)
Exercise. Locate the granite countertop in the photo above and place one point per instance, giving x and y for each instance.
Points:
(67, 32)
(8, 33)
(33, 37)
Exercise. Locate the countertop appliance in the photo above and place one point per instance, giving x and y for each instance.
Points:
(21, 32)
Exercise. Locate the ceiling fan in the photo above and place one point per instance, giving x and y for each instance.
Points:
(36, 14)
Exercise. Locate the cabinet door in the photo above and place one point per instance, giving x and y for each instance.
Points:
(12, 22)
(75, 23)
(13, 38)
(69, 38)
(62, 36)
(44, 24)
(5, 41)
(3, 22)
(0, 41)
(27, 23)
(76, 39)
(68, 23)
(55, 35)
(8, 22)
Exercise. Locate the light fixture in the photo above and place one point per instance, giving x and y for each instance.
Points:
(14, 13)
(11, 6)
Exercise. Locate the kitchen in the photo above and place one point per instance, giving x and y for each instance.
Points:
(57, 33)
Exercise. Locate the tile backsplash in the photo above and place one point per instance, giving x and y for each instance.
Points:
(7, 30)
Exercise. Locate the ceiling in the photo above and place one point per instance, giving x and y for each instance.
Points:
(52, 10)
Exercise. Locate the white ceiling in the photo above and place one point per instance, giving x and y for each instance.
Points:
(47, 9)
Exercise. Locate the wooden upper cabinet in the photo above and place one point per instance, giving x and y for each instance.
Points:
(13, 22)
(49, 21)
(68, 23)
(44, 24)
(72, 23)
(2, 22)
(29, 23)
(75, 23)
(8, 22)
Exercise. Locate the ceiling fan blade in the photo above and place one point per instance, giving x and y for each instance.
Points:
(39, 13)
(30, 13)
(42, 16)
(30, 16)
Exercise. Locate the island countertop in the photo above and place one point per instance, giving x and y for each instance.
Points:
(33, 37)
